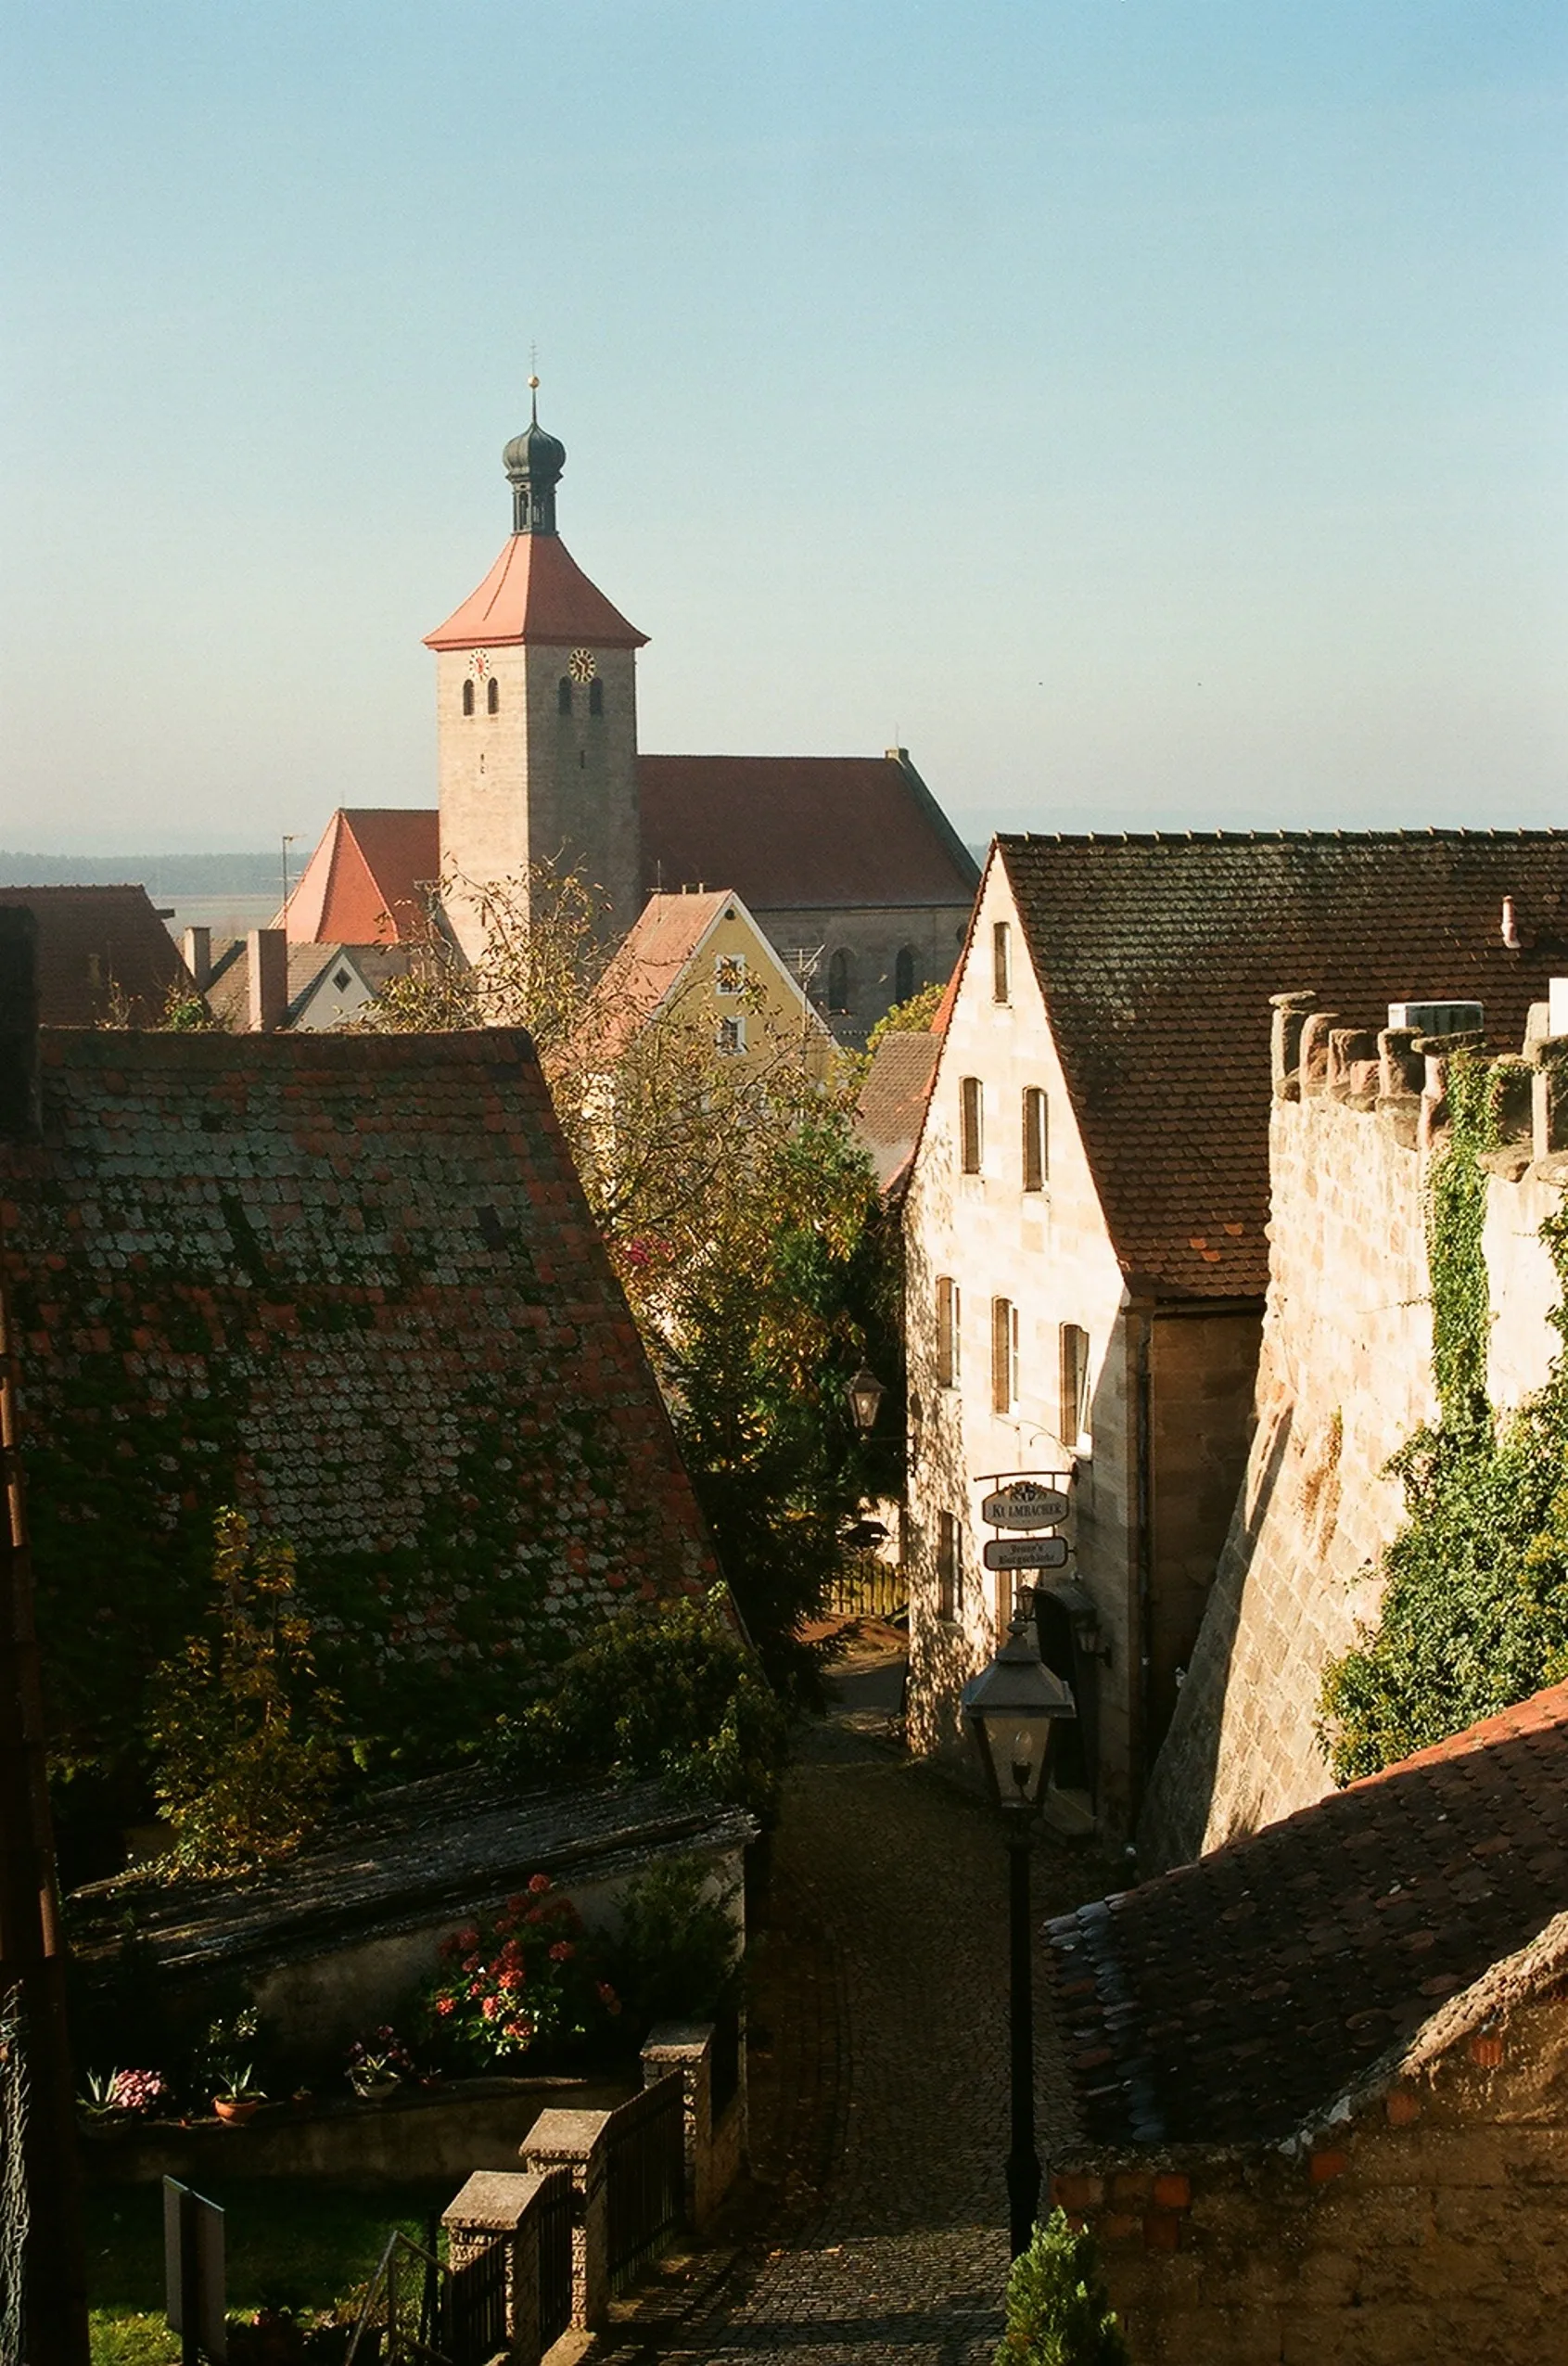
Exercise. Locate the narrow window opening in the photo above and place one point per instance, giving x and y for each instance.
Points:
(493, 695)
(1037, 1138)
(595, 696)
(1074, 1416)
(947, 1568)
(906, 974)
(467, 698)
(841, 983)
(1004, 1355)
(564, 696)
(948, 1332)
(1001, 962)
(971, 1124)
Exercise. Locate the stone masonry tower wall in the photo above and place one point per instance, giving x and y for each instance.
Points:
(1344, 1376)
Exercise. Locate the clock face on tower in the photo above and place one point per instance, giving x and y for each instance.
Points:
(479, 664)
(582, 667)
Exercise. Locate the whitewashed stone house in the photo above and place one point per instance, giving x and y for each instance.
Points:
(1086, 1213)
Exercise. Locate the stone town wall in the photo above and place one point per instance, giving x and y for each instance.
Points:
(1344, 1378)
(1427, 2226)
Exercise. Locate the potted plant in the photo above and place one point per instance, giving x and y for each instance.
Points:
(379, 2064)
(122, 2094)
(236, 2095)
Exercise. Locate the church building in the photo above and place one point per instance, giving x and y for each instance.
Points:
(847, 862)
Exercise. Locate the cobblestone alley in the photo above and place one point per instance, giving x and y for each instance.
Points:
(879, 2071)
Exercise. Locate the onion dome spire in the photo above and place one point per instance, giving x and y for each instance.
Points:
(533, 461)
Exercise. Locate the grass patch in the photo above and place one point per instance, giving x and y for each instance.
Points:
(292, 2244)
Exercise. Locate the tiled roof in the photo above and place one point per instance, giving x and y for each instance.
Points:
(1157, 955)
(103, 955)
(368, 881)
(536, 591)
(892, 1100)
(454, 1843)
(662, 939)
(350, 1283)
(1239, 1998)
(813, 831)
(228, 984)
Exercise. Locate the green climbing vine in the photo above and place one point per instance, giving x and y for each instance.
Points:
(1474, 1611)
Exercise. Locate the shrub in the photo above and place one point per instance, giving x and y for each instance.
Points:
(533, 1981)
(241, 1732)
(675, 1955)
(671, 1691)
(1058, 2311)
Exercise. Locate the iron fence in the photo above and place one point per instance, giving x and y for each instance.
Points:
(555, 2210)
(646, 2176)
(420, 2312)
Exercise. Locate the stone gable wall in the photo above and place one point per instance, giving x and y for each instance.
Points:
(350, 1283)
(1345, 1378)
(1427, 2226)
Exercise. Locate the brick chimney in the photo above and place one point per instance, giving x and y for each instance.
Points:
(267, 951)
(19, 1024)
(199, 956)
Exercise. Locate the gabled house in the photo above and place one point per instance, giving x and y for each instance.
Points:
(700, 961)
(1085, 1216)
(263, 982)
(1317, 2079)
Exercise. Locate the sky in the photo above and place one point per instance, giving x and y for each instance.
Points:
(1152, 413)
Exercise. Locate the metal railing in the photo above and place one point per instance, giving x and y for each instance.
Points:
(646, 2176)
(554, 2210)
(420, 2312)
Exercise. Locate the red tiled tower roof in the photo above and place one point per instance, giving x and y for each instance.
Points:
(536, 592)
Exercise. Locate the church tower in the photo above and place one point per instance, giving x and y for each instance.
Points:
(536, 714)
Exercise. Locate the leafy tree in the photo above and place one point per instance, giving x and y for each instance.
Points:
(669, 1691)
(1058, 2313)
(743, 1217)
(913, 1018)
(242, 1734)
(674, 1956)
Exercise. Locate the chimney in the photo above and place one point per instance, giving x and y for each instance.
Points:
(199, 956)
(267, 962)
(19, 1024)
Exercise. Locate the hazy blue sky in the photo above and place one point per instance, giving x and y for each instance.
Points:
(1150, 411)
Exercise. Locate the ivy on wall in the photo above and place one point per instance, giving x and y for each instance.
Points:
(1474, 1610)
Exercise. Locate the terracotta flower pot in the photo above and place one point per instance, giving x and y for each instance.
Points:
(234, 2110)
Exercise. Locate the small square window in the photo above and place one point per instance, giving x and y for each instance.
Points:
(728, 973)
(729, 1036)
(342, 981)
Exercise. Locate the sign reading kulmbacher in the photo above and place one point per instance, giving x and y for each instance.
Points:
(1024, 1503)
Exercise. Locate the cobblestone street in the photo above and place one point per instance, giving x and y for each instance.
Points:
(879, 2069)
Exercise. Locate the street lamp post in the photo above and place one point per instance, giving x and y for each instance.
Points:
(1011, 1710)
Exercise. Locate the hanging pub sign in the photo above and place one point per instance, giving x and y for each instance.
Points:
(1026, 1552)
(1025, 1503)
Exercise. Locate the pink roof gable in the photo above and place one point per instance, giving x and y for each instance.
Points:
(536, 591)
(365, 884)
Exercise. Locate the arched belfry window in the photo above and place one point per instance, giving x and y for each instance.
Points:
(493, 696)
(564, 695)
(906, 974)
(595, 696)
(840, 981)
(467, 698)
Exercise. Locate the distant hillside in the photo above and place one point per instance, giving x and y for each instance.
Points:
(163, 876)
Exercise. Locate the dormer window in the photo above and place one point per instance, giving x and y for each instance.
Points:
(467, 698)
(493, 695)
